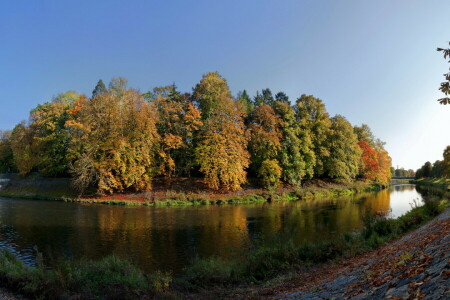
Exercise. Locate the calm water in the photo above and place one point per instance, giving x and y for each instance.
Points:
(168, 238)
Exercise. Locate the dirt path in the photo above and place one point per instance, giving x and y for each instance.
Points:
(416, 266)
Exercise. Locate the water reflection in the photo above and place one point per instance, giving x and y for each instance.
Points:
(169, 237)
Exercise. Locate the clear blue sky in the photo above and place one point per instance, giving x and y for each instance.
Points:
(372, 61)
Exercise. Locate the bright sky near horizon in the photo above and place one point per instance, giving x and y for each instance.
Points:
(374, 62)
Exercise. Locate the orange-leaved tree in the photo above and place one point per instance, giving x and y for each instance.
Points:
(369, 160)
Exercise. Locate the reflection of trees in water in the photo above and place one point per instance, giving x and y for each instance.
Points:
(168, 238)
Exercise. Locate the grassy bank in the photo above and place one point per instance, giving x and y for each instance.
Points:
(440, 183)
(58, 189)
(258, 263)
(266, 260)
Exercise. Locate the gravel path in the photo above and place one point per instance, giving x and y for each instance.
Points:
(417, 266)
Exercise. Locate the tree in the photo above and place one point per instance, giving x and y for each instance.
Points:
(265, 142)
(315, 123)
(50, 135)
(446, 162)
(282, 97)
(246, 102)
(383, 175)
(265, 97)
(437, 170)
(369, 158)
(23, 148)
(6, 153)
(364, 133)
(344, 156)
(222, 148)
(210, 92)
(114, 142)
(118, 86)
(270, 173)
(100, 88)
(296, 156)
(445, 86)
(427, 169)
(178, 122)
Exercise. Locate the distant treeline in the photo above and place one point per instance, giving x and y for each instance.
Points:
(119, 139)
(440, 168)
(401, 172)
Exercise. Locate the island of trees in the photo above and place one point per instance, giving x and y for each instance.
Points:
(120, 139)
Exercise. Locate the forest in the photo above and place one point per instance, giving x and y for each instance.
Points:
(120, 139)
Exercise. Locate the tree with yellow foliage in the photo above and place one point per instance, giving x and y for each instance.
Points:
(222, 144)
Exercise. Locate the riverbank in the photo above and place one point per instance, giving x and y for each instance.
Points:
(180, 192)
(415, 266)
(257, 265)
(440, 183)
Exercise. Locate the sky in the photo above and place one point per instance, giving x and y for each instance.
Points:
(374, 62)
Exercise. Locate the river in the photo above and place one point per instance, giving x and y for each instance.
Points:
(168, 238)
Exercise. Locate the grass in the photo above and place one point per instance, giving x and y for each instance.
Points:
(265, 260)
(108, 278)
(45, 189)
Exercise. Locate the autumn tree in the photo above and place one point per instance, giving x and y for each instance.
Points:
(343, 161)
(445, 86)
(265, 144)
(114, 142)
(221, 151)
(315, 124)
(178, 122)
(383, 176)
(369, 159)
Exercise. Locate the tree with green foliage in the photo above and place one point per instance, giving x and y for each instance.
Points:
(437, 169)
(315, 123)
(48, 126)
(246, 102)
(344, 159)
(282, 97)
(222, 147)
(6, 153)
(296, 156)
(24, 148)
(210, 92)
(100, 88)
(446, 163)
(364, 133)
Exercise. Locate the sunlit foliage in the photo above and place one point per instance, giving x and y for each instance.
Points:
(222, 149)
(343, 161)
(315, 122)
(369, 157)
(114, 142)
(265, 142)
(120, 139)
